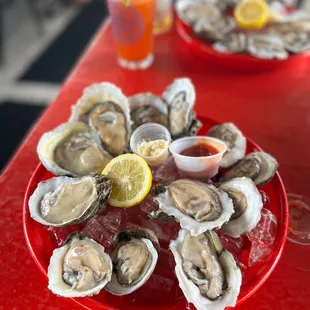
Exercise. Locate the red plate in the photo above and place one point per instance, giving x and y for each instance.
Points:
(41, 244)
(233, 61)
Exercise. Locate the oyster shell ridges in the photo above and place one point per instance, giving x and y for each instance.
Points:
(249, 219)
(192, 292)
(55, 270)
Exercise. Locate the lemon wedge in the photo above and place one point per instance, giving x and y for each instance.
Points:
(132, 180)
(252, 14)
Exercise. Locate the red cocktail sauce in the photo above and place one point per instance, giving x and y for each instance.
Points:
(200, 149)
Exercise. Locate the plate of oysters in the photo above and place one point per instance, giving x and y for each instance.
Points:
(248, 34)
(138, 203)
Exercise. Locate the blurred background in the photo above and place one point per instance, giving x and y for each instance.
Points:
(40, 42)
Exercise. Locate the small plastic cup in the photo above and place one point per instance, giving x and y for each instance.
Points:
(151, 132)
(204, 167)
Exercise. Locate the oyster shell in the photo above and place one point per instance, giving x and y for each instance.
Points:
(231, 43)
(295, 35)
(197, 206)
(105, 108)
(63, 201)
(72, 149)
(148, 108)
(247, 205)
(258, 166)
(207, 273)
(191, 11)
(233, 138)
(267, 47)
(214, 30)
(79, 268)
(180, 97)
(134, 259)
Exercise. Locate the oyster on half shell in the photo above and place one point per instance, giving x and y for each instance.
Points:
(105, 108)
(134, 258)
(214, 30)
(233, 138)
(207, 272)
(72, 149)
(295, 35)
(248, 205)
(197, 206)
(191, 11)
(266, 47)
(258, 166)
(79, 268)
(232, 42)
(147, 108)
(180, 97)
(64, 201)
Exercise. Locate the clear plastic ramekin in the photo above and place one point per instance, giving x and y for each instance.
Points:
(151, 132)
(197, 167)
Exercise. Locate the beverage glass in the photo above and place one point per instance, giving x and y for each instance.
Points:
(163, 16)
(132, 26)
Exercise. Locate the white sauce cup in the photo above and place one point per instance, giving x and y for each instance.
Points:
(151, 132)
(204, 167)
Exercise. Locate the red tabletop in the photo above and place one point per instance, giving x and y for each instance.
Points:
(272, 107)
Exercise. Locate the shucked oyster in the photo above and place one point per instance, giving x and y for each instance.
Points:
(105, 108)
(72, 149)
(214, 30)
(191, 11)
(231, 43)
(247, 205)
(64, 201)
(295, 35)
(79, 268)
(197, 206)
(180, 97)
(233, 138)
(207, 273)
(258, 166)
(134, 259)
(266, 47)
(148, 108)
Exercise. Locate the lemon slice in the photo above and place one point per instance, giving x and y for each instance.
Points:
(252, 14)
(132, 180)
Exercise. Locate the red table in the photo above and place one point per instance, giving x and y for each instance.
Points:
(273, 108)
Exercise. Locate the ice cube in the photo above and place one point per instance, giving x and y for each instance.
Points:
(60, 234)
(104, 229)
(233, 245)
(166, 172)
(148, 205)
(262, 237)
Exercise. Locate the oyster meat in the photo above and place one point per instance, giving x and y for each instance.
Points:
(134, 259)
(191, 11)
(295, 35)
(180, 97)
(233, 138)
(105, 108)
(207, 273)
(72, 149)
(65, 201)
(214, 30)
(258, 166)
(197, 206)
(232, 43)
(248, 205)
(147, 108)
(267, 47)
(79, 268)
